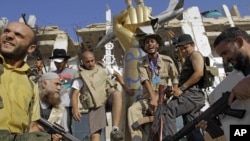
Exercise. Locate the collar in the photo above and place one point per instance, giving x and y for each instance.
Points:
(2, 61)
(148, 62)
(44, 105)
(23, 68)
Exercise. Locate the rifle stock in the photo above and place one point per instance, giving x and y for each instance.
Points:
(55, 128)
(211, 115)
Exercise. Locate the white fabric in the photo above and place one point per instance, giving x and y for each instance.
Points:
(44, 105)
(59, 60)
(67, 77)
(118, 69)
(109, 70)
(77, 84)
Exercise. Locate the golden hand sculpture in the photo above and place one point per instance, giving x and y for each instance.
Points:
(124, 27)
(125, 24)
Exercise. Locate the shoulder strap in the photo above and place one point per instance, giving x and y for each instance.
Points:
(1, 69)
(30, 110)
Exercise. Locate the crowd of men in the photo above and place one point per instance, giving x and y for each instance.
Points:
(55, 95)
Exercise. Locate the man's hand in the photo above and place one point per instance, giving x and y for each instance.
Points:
(34, 126)
(76, 114)
(176, 92)
(201, 125)
(241, 91)
(153, 104)
(56, 137)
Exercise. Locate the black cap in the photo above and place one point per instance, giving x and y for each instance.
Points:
(184, 39)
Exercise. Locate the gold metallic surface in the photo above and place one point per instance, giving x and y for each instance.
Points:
(124, 27)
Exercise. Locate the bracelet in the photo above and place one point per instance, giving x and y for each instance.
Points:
(182, 88)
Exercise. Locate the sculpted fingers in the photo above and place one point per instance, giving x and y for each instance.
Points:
(143, 13)
(126, 23)
(121, 18)
(138, 14)
(132, 15)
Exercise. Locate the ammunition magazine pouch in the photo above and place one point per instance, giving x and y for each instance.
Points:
(145, 109)
(86, 100)
(97, 86)
(111, 85)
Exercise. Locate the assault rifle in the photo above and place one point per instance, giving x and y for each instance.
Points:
(55, 128)
(211, 116)
(157, 126)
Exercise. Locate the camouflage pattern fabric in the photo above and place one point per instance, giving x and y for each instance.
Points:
(34, 136)
(56, 114)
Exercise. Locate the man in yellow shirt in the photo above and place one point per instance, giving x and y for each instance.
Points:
(19, 102)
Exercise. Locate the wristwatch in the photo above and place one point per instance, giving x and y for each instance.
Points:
(182, 88)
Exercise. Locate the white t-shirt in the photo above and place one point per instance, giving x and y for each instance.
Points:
(66, 76)
(77, 84)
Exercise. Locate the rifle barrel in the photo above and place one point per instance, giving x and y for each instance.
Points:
(57, 129)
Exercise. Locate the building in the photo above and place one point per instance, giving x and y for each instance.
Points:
(92, 34)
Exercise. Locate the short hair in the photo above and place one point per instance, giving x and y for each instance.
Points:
(87, 52)
(34, 39)
(230, 34)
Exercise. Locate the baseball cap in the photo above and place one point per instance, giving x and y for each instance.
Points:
(184, 39)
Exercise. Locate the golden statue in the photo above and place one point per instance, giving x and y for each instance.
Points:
(124, 29)
(124, 26)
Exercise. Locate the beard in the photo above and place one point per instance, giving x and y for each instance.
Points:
(243, 63)
(16, 54)
(50, 97)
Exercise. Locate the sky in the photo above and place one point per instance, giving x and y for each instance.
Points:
(70, 15)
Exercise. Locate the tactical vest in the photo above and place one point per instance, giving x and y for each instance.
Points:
(97, 86)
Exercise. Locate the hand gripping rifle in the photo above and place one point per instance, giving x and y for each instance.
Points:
(55, 128)
(211, 116)
(157, 126)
